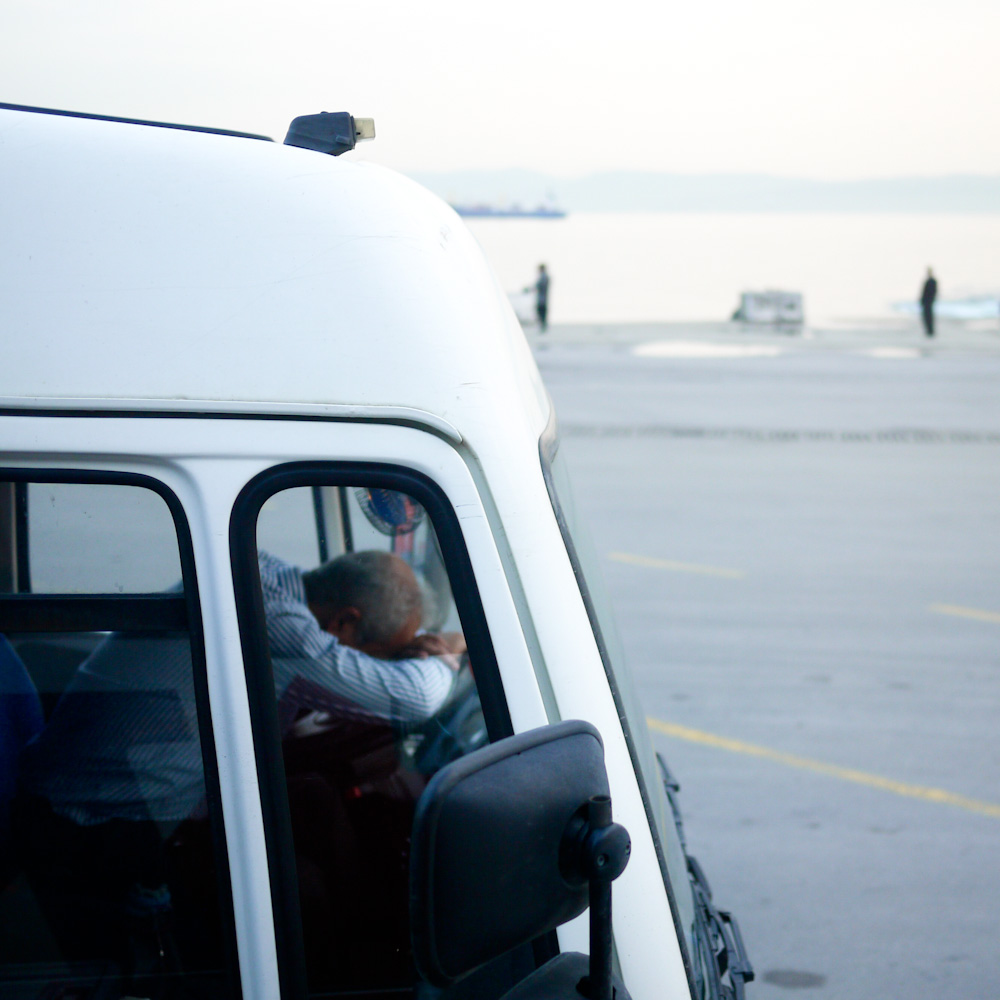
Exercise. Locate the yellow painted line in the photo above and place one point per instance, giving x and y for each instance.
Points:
(676, 567)
(938, 795)
(960, 612)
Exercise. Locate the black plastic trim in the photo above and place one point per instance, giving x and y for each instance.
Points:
(23, 555)
(196, 637)
(548, 445)
(345, 519)
(93, 613)
(132, 121)
(320, 514)
(260, 679)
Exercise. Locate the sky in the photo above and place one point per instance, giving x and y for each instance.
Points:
(795, 88)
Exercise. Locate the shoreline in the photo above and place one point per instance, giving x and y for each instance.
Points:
(735, 338)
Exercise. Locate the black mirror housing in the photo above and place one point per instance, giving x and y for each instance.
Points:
(485, 872)
(491, 865)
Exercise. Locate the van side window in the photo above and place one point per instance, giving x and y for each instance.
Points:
(99, 538)
(109, 885)
(378, 677)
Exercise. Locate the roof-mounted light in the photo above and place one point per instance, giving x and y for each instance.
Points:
(332, 132)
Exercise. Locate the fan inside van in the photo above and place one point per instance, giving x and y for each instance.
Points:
(389, 512)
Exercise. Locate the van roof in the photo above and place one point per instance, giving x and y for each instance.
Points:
(161, 269)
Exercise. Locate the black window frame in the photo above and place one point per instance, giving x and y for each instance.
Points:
(46, 613)
(260, 681)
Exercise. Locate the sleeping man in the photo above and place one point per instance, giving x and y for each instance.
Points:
(347, 631)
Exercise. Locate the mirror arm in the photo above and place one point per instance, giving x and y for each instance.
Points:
(596, 849)
(598, 983)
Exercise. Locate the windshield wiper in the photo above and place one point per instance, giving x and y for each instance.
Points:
(671, 786)
(723, 941)
(717, 939)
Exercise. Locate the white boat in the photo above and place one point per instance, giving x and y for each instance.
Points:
(972, 307)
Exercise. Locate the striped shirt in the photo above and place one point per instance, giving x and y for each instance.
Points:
(312, 670)
(123, 740)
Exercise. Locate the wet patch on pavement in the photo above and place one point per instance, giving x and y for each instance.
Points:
(793, 979)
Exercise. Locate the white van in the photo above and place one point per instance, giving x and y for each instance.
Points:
(226, 360)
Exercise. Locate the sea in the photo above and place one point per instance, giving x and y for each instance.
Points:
(674, 267)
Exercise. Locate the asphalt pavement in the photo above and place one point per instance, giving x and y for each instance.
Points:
(801, 536)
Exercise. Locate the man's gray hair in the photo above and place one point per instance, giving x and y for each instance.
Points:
(371, 582)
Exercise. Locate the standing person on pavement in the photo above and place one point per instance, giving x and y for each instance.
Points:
(542, 297)
(927, 297)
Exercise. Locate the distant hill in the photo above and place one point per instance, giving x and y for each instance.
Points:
(636, 191)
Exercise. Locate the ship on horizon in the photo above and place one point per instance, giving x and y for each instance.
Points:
(484, 210)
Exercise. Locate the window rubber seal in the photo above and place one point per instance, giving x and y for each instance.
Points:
(29, 109)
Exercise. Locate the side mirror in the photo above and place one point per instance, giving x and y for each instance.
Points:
(508, 843)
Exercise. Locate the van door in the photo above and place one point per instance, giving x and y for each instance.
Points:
(243, 834)
(346, 744)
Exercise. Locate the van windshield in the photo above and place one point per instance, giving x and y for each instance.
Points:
(670, 848)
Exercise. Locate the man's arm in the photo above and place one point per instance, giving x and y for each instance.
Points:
(325, 672)
(443, 644)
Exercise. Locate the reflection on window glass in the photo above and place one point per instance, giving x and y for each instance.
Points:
(374, 693)
(287, 527)
(107, 876)
(663, 815)
(99, 539)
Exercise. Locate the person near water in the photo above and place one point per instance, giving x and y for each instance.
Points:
(927, 296)
(542, 297)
